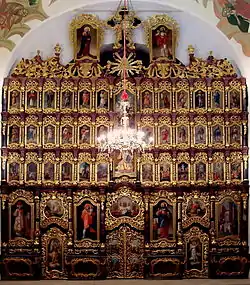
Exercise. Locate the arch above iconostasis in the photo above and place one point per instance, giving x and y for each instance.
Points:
(194, 117)
(190, 12)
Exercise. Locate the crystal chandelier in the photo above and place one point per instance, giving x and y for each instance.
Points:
(123, 138)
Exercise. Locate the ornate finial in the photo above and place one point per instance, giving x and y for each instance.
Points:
(210, 53)
(191, 49)
(57, 49)
(38, 52)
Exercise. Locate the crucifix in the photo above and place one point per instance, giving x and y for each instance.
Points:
(124, 19)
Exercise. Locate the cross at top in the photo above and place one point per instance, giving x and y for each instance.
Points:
(124, 18)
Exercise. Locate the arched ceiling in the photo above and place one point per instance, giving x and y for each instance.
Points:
(31, 15)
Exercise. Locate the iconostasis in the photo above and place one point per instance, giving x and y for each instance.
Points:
(177, 210)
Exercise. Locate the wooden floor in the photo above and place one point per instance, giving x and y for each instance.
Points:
(134, 282)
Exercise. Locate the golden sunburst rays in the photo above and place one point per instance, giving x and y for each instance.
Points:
(129, 65)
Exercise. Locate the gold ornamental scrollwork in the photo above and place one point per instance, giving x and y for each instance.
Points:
(95, 262)
(199, 68)
(117, 214)
(18, 262)
(52, 68)
(173, 261)
(232, 259)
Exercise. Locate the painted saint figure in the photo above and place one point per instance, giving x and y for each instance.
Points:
(88, 220)
(236, 171)
(182, 134)
(84, 135)
(218, 169)
(200, 171)
(54, 254)
(14, 171)
(102, 99)
(31, 134)
(15, 99)
(165, 135)
(67, 135)
(200, 99)
(217, 134)
(85, 43)
(195, 208)
(32, 99)
(49, 171)
(125, 163)
(228, 219)
(14, 134)
(32, 171)
(84, 99)
(234, 99)
(216, 99)
(165, 172)
(163, 41)
(235, 134)
(67, 99)
(164, 221)
(22, 218)
(165, 100)
(49, 134)
(54, 208)
(49, 99)
(102, 172)
(182, 100)
(147, 172)
(146, 100)
(66, 171)
(194, 254)
(200, 135)
(183, 171)
(84, 171)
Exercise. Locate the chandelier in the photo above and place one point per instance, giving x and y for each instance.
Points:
(123, 138)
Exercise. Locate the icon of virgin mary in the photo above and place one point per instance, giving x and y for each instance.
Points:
(85, 43)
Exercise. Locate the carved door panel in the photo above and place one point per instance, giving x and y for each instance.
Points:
(125, 248)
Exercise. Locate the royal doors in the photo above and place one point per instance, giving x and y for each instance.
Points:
(125, 241)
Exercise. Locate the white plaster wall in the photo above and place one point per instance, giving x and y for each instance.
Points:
(200, 34)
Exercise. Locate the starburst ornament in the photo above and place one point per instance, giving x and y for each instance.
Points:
(128, 65)
(124, 138)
